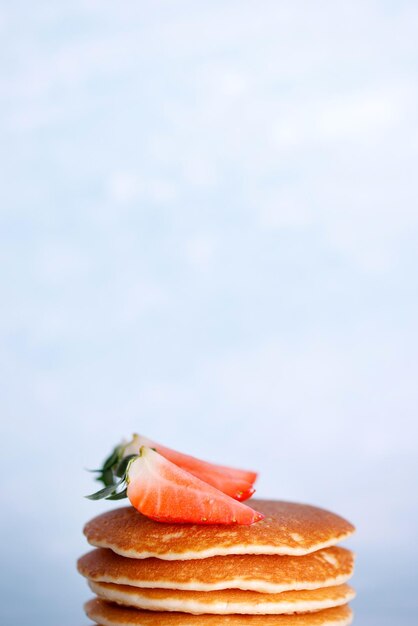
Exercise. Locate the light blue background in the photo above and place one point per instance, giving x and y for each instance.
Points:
(209, 235)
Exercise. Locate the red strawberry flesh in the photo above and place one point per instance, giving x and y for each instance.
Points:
(165, 492)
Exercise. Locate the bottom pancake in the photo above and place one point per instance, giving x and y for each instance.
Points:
(225, 602)
(108, 614)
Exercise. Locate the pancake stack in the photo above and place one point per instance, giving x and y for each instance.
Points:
(285, 570)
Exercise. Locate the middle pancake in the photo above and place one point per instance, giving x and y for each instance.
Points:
(225, 602)
(261, 573)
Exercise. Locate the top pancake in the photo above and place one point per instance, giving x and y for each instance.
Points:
(288, 528)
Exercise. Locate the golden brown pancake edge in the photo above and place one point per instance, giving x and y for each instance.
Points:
(263, 573)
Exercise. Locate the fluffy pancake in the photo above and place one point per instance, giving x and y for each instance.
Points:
(288, 528)
(262, 573)
(108, 614)
(225, 602)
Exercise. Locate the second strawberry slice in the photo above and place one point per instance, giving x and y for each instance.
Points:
(234, 482)
(165, 492)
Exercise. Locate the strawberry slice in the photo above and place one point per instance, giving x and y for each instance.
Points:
(234, 482)
(165, 492)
